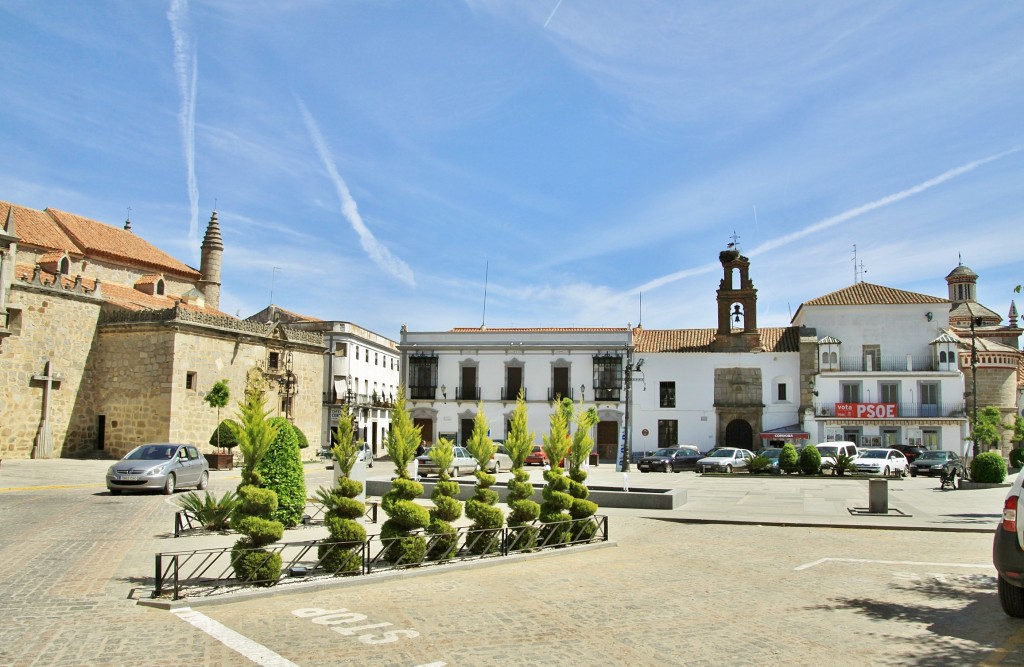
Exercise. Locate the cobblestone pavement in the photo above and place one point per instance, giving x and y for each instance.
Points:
(665, 594)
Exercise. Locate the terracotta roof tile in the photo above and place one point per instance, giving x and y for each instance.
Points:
(539, 329)
(773, 339)
(867, 294)
(99, 239)
(37, 229)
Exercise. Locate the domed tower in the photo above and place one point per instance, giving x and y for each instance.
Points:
(211, 253)
(963, 284)
(963, 289)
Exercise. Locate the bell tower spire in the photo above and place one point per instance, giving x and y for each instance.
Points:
(737, 305)
(209, 264)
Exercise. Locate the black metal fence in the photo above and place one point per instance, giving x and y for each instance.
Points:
(205, 572)
(186, 522)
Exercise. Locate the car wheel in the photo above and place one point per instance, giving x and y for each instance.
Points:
(169, 485)
(204, 481)
(1011, 598)
(455, 472)
(885, 472)
(114, 492)
(497, 468)
(728, 469)
(913, 473)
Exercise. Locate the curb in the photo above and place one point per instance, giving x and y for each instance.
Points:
(805, 524)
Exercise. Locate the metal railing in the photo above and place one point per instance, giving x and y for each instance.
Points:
(204, 572)
(186, 522)
(895, 363)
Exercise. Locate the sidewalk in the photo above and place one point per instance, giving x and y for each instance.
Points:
(914, 503)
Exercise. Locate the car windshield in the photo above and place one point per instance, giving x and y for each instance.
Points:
(723, 453)
(938, 456)
(664, 452)
(827, 450)
(873, 454)
(771, 453)
(152, 453)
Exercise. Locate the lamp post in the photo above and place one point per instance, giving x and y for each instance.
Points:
(287, 382)
(583, 389)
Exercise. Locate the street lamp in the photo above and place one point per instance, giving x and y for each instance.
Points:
(444, 393)
(583, 389)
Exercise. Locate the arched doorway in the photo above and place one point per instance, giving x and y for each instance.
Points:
(739, 433)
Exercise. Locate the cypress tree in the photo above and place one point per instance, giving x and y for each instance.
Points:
(401, 545)
(343, 553)
(523, 511)
(556, 499)
(444, 538)
(582, 444)
(487, 519)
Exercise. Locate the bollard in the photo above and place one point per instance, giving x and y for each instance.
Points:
(878, 496)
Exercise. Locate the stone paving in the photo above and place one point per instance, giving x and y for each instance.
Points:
(73, 561)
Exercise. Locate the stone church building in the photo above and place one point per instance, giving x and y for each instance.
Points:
(107, 342)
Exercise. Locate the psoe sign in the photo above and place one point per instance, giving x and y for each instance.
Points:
(867, 410)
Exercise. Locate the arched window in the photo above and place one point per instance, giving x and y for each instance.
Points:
(824, 358)
(64, 266)
(952, 357)
(833, 357)
(160, 287)
(942, 357)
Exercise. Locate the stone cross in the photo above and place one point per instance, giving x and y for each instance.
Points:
(44, 438)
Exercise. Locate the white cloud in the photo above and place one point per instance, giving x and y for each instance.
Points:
(186, 69)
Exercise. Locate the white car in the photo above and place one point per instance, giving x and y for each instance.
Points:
(829, 451)
(884, 462)
(724, 459)
(500, 461)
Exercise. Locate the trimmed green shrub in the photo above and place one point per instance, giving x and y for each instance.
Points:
(342, 552)
(789, 460)
(810, 460)
(484, 535)
(218, 397)
(988, 468)
(523, 510)
(1017, 458)
(254, 565)
(556, 499)
(582, 510)
(401, 546)
(444, 538)
(223, 436)
(300, 437)
(214, 514)
(282, 471)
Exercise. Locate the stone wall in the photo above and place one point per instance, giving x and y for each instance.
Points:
(53, 326)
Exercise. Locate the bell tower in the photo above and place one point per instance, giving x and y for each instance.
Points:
(737, 306)
(211, 252)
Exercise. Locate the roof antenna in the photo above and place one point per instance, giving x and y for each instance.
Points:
(273, 275)
(128, 221)
(487, 271)
(858, 269)
(640, 323)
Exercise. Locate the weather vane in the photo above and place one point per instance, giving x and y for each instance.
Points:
(735, 241)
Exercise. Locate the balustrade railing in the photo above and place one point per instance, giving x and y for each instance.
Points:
(890, 410)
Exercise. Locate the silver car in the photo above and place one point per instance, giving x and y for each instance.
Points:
(724, 459)
(463, 461)
(500, 461)
(161, 466)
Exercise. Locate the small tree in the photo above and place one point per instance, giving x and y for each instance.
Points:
(300, 437)
(988, 468)
(444, 540)
(988, 428)
(404, 516)
(810, 460)
(251, 561)
(223, 437)
(582, 509)
(343, 552)
(523, 510)
(487, 519)
(218, 397)
(789, 460)
(556, 499)
(282, 471)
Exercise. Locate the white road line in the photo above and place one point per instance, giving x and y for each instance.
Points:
(821, 561)
(258, 653)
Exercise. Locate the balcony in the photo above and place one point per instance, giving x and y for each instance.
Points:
(890, 410)
(467, 394)
(425, 392)
(512, 393)
(560, 392)
(897, 363)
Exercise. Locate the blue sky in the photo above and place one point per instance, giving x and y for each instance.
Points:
(386, 157)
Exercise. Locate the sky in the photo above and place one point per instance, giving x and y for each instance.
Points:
(530, 163)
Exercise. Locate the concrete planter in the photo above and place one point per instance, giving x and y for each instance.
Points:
(219, 461)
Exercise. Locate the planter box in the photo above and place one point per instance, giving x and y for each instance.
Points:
(220, 461)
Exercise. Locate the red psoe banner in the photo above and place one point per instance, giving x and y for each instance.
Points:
(867, 410)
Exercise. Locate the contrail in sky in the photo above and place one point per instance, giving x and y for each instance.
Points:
(552, 14)
(380, 255)
(845, 216)
(186, 68)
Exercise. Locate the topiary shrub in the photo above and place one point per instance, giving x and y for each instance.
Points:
(281, 470)
(1017, 458)
(789, 460)
(555, 529)
(300, 437)
(224, 436)
(401, 546)
(484, 535)
(582, 510)
(342, 553)
(810, 460)
(444, 538)
(988, 468)
(523, 511)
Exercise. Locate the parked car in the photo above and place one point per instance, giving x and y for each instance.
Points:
(884, 462)
(667, 459)
(366, 454)
(462, 461)
(932, 461)
(536, 457)
(500, 461)
(910, 451)
(772, 454)
(1008, 552)
(829, 451)
(159, 466)
(724, 459)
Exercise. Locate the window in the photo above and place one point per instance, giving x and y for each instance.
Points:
(607, 378)
(468, 389)
(872, 358)
(273, 361)
(890, 437)
(560, 382)
(160, 287)
(64, 266)
(851, 392)
(340, 350)
(190, 380)
(376, 359)
(668, 395)
(929, 399)
(422, 377)
(668, 432)
(889, 392)
(781, 391)
(356, 347)
(513, 382)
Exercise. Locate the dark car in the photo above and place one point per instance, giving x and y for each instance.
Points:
(665, 459)
(1008, 552)
(910, 451)
(931, 462)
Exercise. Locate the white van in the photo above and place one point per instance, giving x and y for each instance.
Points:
(829, 451)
